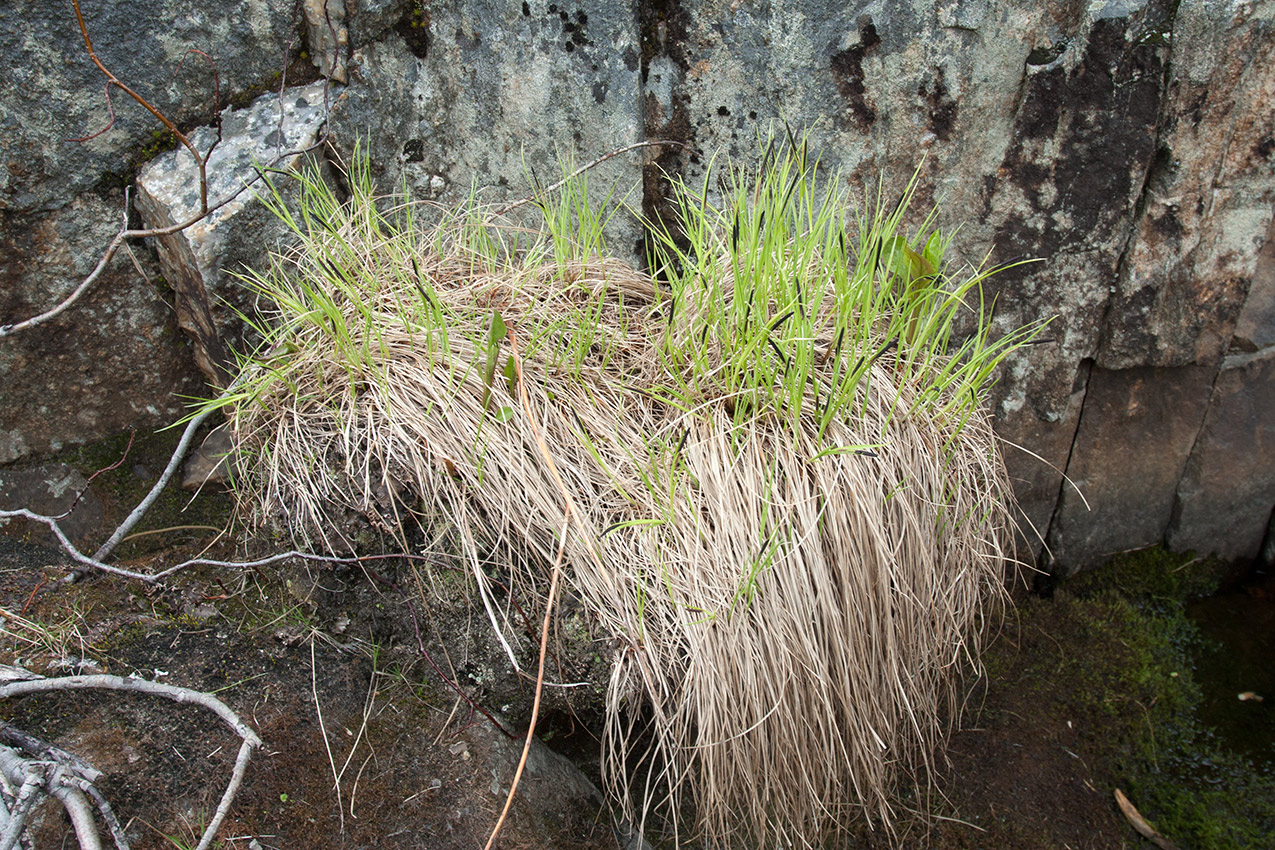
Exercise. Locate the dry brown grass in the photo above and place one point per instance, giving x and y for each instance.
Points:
(789, 622)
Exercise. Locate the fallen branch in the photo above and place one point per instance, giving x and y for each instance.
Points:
(72, 791)
(87, 561)
(179, 453)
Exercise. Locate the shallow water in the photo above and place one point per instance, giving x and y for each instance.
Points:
(1239, 658)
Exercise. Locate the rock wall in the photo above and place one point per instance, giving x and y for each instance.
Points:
(1128, 144)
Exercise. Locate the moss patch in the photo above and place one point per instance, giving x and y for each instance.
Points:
(1103, 672)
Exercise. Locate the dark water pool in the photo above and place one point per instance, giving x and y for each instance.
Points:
(1239, 659)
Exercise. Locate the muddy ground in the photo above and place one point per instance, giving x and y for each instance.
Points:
(1089, 690)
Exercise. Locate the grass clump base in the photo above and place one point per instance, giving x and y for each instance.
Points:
(789, 511)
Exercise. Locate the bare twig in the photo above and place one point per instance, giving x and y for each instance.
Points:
(40, 778)
(108, 814)
(1139, 823)
(163, 119)
(80, 557)
(11, 736)
(183, 445)
(26, 796)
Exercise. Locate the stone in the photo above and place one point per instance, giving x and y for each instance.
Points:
(1208, 195)
(54, 94)
(113, 361)
(52, 489)
(1255, 328)
(328, 36)
(1036, 452)
(550, 787)
(1127, 144)
(492, 98)
(370, 20)
(1227, 493)
(1029, 126)
(1137, 429)
(276, 131)
(211, 462)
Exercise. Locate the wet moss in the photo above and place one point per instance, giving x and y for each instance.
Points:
(1126, 671)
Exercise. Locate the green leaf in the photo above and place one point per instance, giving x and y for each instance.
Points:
(497, 333)
(900, 259)
(511, 375)
(933, 252)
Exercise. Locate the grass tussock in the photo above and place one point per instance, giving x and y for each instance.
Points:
(790, 510)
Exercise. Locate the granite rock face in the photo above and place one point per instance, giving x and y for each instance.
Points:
(1100, 138)
(115, 361)
(52, 489)
(487, 96)
(1223, 501)
(1129, 145)
(54, 94)
(1144, 423)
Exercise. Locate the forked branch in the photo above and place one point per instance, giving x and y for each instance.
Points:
(112, 80)
(72, 786)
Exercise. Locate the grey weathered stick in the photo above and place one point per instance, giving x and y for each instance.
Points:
(80, 557)
(108, 814)
(78, 810)
(15, 768)
(172, 692)
(183, 446)
(14, 737)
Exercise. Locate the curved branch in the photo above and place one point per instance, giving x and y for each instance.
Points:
(74, 800)
(125, 234)
(172, 128)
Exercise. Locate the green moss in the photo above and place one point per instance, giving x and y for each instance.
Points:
(1127, 646)
(160, 140)
(1153, 574)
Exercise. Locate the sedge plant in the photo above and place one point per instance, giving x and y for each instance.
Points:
(791, 513)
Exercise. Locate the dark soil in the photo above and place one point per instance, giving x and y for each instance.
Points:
(417, 768)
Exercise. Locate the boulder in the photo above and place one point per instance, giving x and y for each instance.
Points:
(114, 361)
(495, 98)
(55, 490)
(276, 131)
(1126, 144)
(1137, 429)
(1208, 194)
(57, 136)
